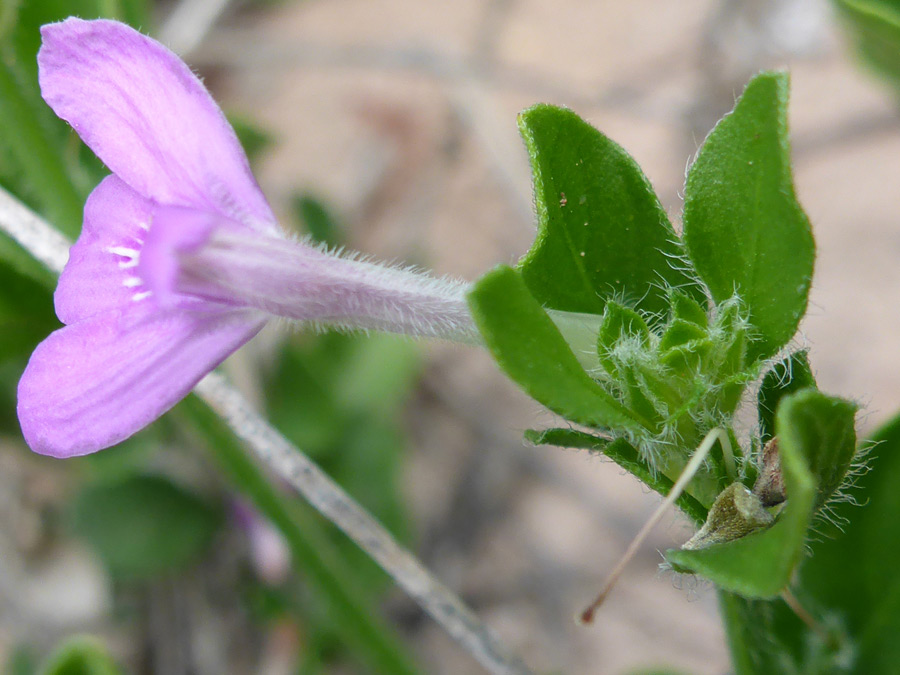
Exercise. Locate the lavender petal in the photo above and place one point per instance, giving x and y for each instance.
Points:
(100, 274)
(149, 118)
(96, 382)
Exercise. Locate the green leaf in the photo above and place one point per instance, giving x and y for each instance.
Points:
(729, 322)
(626, 329)
(760, 565)
(83, 655)
(340, 397)
(299, 396)
(143, 526)
(8, 16)
(377, 375)
(765, 636)
(849, 582)
(787, 376)
(135, 13)
(686, 308)
(744, 229)
(254, 139)
(26, 313)
(685, 360)
(827, 427)
(318, 386)
(852, 573)
(680, 332)
(626, 456)
(602, 231)
(530, 349)
(317, 219)
(619, 323)
(875, 28)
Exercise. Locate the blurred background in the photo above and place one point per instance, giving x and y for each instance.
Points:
(389, 126)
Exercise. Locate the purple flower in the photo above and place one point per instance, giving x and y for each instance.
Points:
(180, 260)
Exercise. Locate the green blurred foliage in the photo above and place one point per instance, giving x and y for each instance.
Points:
(254, 138)
(316, 219)
(874, 27)
(20, 661)
(43, 161)
(81, 655)
(144, 526)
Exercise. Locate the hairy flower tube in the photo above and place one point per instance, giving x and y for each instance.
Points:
(180, 260)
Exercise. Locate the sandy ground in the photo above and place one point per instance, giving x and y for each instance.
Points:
(401, 115)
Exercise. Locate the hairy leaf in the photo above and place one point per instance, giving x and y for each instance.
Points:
(760, 565)
(531, 350)
(787, 376)
(852, 574)
(744, 229)
(602, 230)
(848, 582)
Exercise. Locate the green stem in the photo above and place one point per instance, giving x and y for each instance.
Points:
(734, 616)
(312, 554)
(38, 160)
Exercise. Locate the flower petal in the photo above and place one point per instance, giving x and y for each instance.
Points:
(175, 231)
(95, 383)
(148, 117)
(106, 254)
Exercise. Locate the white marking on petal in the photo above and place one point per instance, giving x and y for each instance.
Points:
(123, 251)
(144, 226)
(131, 255)
(132, 282)
(137, 297)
